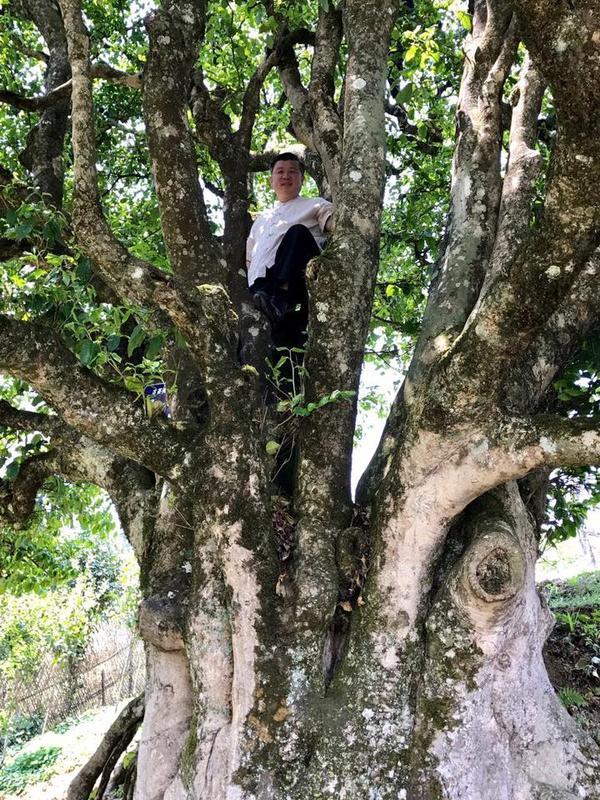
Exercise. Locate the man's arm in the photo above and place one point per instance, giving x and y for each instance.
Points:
(324, 215)
(249, 247)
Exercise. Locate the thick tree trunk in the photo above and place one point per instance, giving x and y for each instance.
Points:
(462, 710)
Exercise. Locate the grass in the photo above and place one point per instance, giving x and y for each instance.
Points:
(27, 768)
(42, 768)
(573, 649)
(582, 591)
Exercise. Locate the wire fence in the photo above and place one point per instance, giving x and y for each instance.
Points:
(111, 669)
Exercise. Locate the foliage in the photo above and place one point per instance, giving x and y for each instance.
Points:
(572, 651)
(61, 620)
(287, 378)
(17, 729)
(69, 530)
(577, 592)
(571, 698)
(121, 343)
(572, 492)
(29, 768)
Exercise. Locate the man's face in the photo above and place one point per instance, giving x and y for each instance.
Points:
(286, 180)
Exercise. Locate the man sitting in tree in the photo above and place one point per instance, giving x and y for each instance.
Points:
(281, 243)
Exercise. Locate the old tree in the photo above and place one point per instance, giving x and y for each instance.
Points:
(313, 646)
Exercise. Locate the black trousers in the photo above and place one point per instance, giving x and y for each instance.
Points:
(297, 247)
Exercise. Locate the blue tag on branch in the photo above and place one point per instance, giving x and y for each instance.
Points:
(156, 400)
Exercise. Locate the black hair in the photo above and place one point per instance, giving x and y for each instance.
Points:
(288, 157)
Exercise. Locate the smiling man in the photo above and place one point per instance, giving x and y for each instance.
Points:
(281, 243)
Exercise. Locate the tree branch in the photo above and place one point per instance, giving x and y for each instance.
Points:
(63, 91)
(18, 420)
(547, 440)
(558, 340)
(17, 497)
(476, 181)
(251, 100)
(537, 277)
(327, 125)
(45, 141)
(130, 277)
(102, 411)
(341, 288)
(175, 32)
(202, 313)
(296, 94)
(213, 126)
(78, 458)
(524, 165)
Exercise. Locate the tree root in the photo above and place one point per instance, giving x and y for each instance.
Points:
(108, 752)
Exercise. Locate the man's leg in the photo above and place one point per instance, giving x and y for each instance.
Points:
(283, 288)
(297, 247)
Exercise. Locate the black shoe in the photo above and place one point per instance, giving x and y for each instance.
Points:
(265, 303)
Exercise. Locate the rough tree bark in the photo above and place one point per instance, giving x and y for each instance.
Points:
(433, 686)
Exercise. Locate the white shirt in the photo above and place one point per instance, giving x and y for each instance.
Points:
(270, 227)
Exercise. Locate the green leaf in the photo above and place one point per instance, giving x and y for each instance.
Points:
(134, 384)
(154, 347)
(23, 230)
(12, 470)
(272, 447)
(465, 20)
(88, 352)
(112, 342)
(84, 270)
(137, 337)
(405, 94)
(412, 52)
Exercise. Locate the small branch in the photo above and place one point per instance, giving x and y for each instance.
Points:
(18, 420)
(296, 94)
(524, 164)
(251, 100)
(79, 458)
(43, 152)
(99, 70)
(553, 441)
(213, 126)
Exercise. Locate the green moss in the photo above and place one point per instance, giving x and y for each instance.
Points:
(188, 753)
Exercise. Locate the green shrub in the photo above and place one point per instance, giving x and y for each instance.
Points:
(28, 768)
(20, 728)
